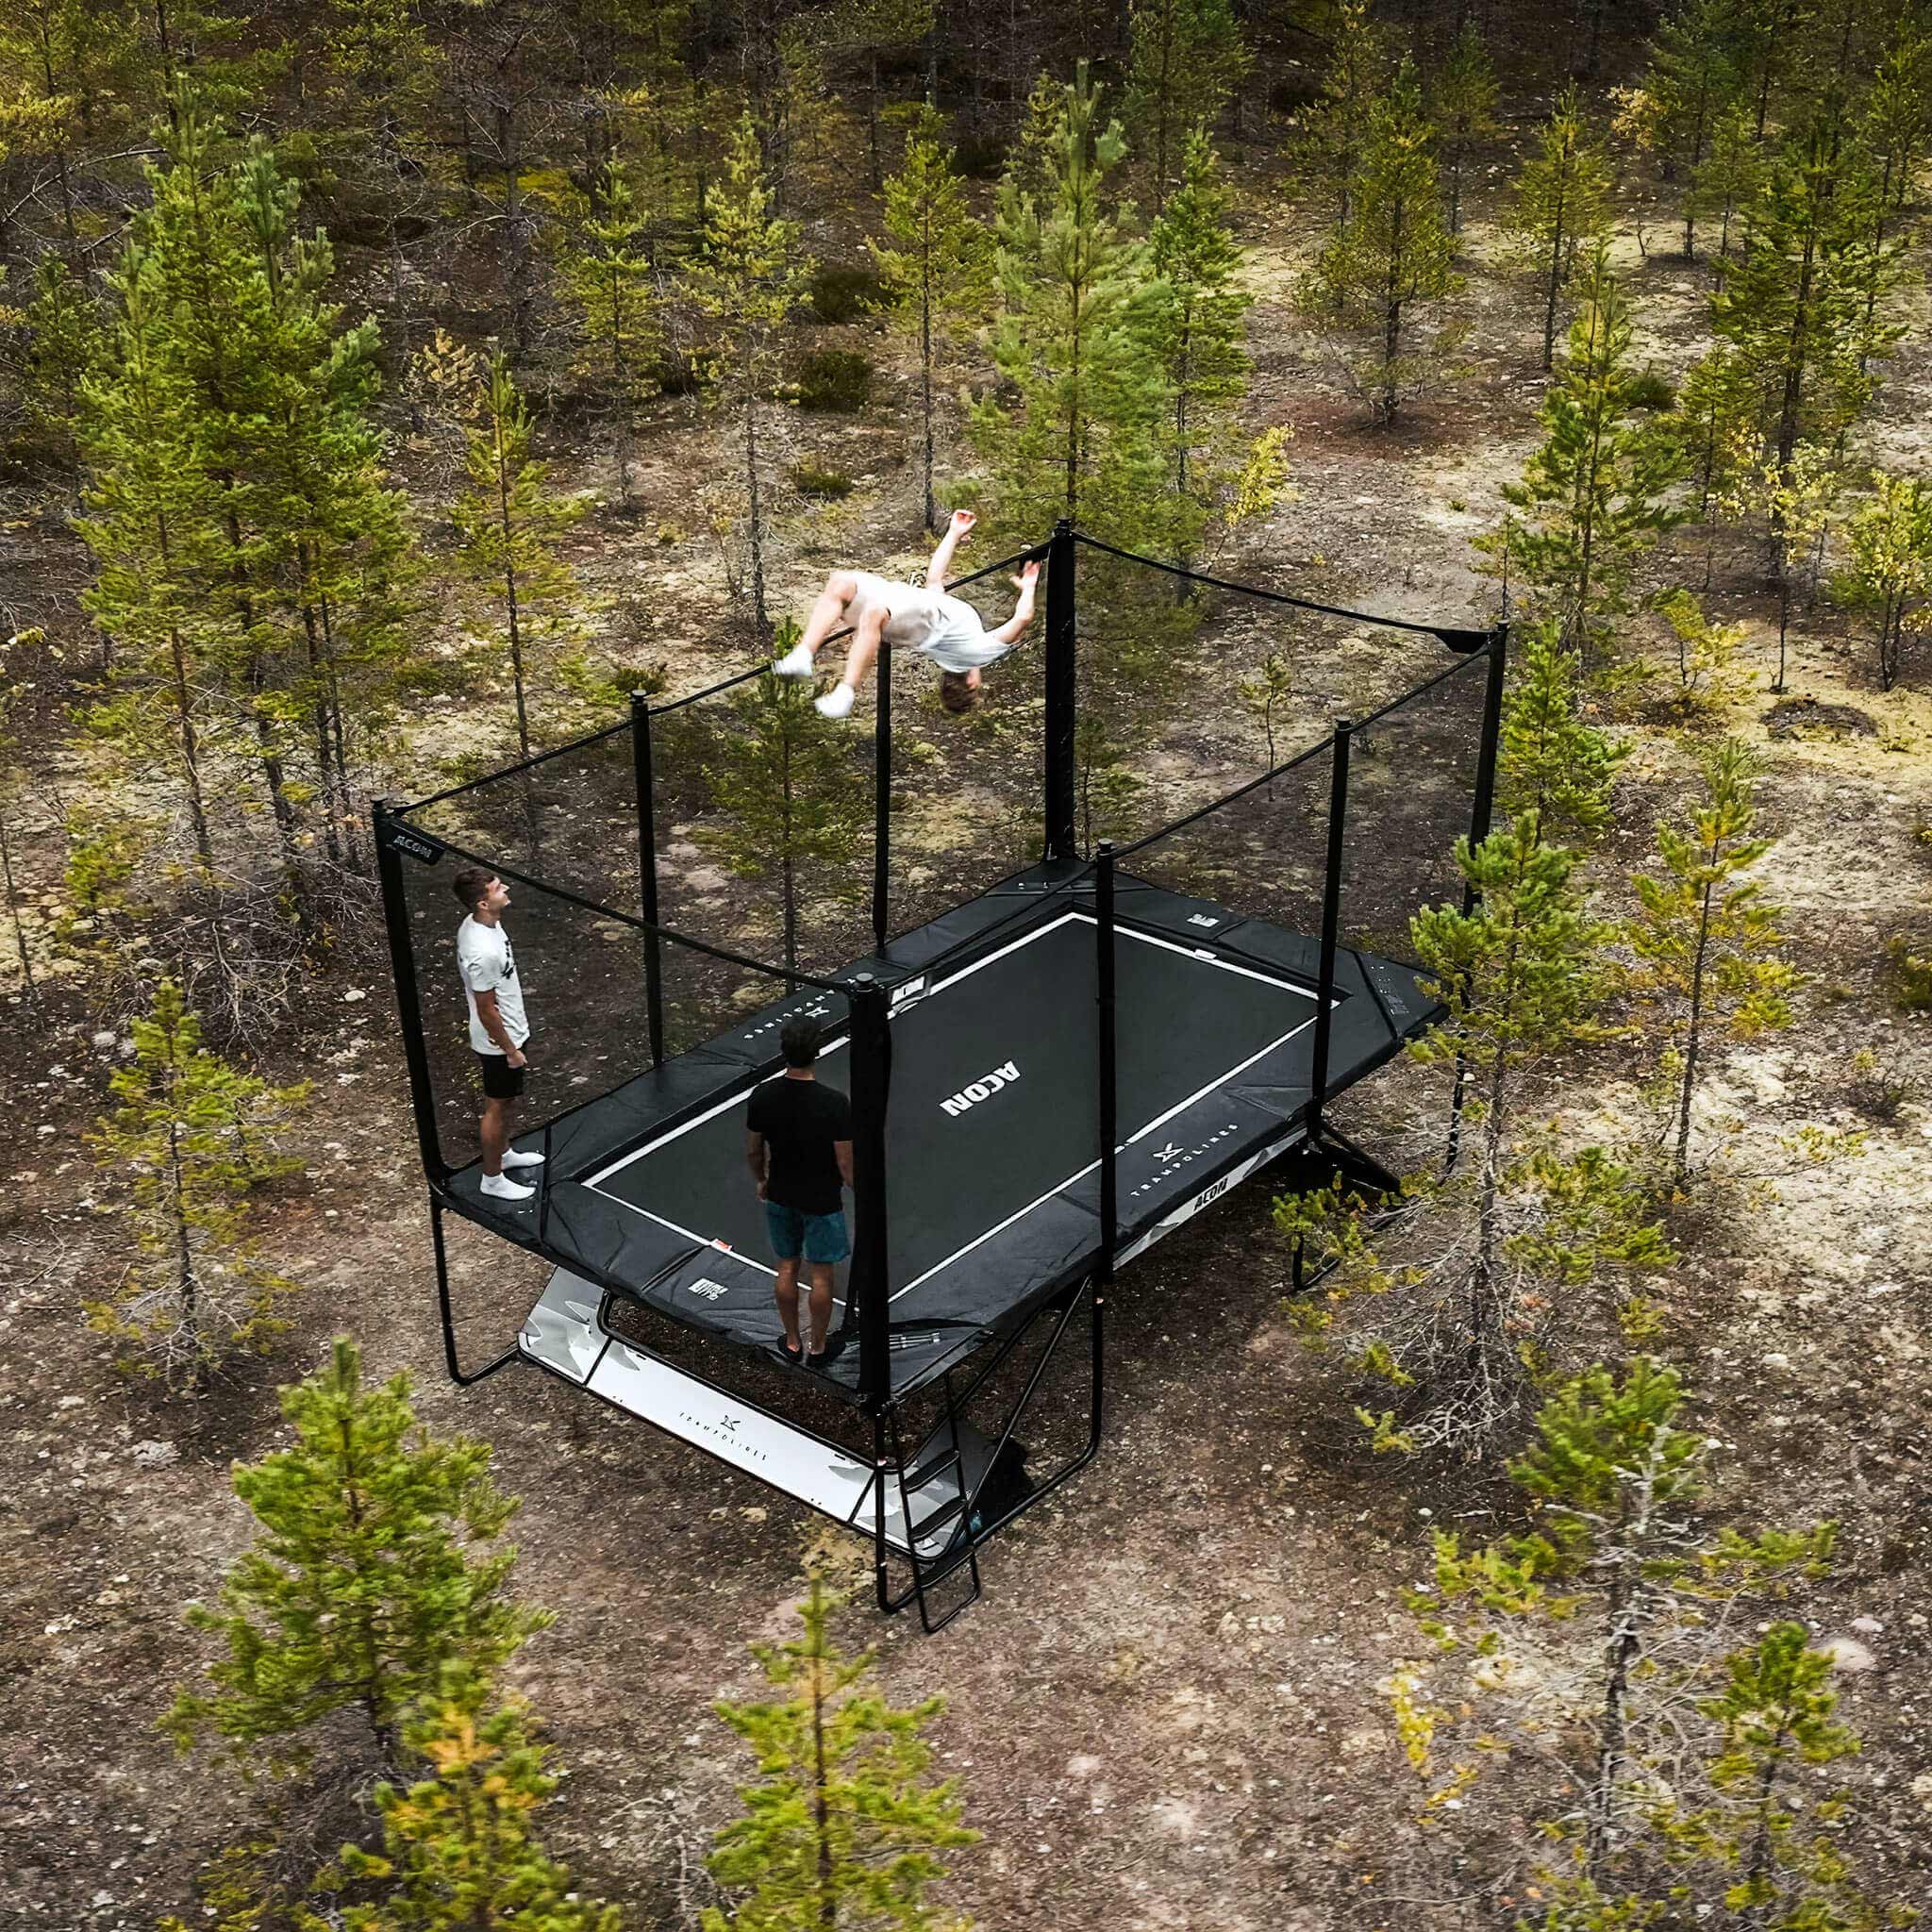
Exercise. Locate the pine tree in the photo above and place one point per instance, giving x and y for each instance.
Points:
(1562, 204)
(510, 520)
(864, 32)
(785, 795)
(842, 1829)
(1708, 682)
(1080, 438)
(1796, 502)
(1184, 58)
(1551, 764)
(613, 281)
(1709, 947)
(1591, 499)
(1464, 109)
(1333, 135)
(1391, 260)
(747, 279)
(67, 343)
(1890, 573)
(1693, 79)
(1895, 126)
(1728, 180)
(940, 269)
(460, 1849)
(1197, 328)
(188, 1143)
(365, 1581)
(1715, 424)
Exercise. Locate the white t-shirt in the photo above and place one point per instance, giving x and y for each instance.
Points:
(946, 630)
(487, 965)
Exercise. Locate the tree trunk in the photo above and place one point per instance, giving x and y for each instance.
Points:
(26, 963)
(821, 1808)
(926, 372)
(755, 504)
(1693, 1042)
(186, 1286)
(1556, 280)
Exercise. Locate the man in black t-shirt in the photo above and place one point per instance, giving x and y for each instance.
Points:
(798, 1143)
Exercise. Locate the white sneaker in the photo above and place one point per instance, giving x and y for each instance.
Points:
(796, 663)
(836, 703)
(500, 1186)
(516, 1157)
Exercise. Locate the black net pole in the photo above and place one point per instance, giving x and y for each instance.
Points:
(647, 871)
(1109, 1070)
(1331, 920)
(394, 838)
(871, 1079)
(1061, 691)
(882, 802)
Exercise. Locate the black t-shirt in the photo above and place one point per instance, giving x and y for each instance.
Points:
(800, 1120)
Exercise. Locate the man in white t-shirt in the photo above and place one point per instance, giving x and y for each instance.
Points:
(499, 1026)
(915, 617)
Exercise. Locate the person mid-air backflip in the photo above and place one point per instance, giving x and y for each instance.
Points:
(918, 617)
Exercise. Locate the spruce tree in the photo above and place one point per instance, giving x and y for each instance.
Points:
(785, 795)
(611, 279)
(459, 1847)
(1889, 572)
(842, 1829)
(1550, 762)
(1591, 499)
(188, 1143)
(367, 1578)
(940, 269)
(1709, 947)
(1693, 79)
(1464, 109)
(1197, 328)
(1080, 437)
(1562, 204)
(747, 279)
(510, 518)
(1389, 266)
(1333, 132)
(1184, 58)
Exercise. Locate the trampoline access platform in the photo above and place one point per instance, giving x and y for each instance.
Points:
(993, 1187)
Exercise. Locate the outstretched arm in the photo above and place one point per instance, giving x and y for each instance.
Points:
(942, 560)
(1022, 611)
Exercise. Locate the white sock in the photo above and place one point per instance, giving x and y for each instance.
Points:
(836, 703)
(796, 663)
(502, 1187)
(515, 1157)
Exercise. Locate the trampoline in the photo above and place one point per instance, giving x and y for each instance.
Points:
(1046, 1079)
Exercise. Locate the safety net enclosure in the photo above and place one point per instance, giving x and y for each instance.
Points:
(1066, 1025)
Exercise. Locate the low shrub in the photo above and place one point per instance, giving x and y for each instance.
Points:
(846, 294)
(837, 379)
(828, 486)
(1652, 390)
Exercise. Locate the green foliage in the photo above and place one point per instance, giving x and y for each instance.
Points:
(1550, 762)
(1889, 571)
(839, 294)
(940, 270)
(364, 1581)
(1331, 134)
(1079, 437)
(67, 343)
(608, 272)
(1464, 109)
(839, 380)
(1715, 424)
(828, 486)
(1184, 58)
(510, 520)
(1591, 499)
(1562, 204)
(1911, 974)
(1266, 695)
(192, 1138)
(784, 794)
(1694, 77)
(1651, 389)
(1708, 682)
(747, 279)
(460, 1849)
(842, 1828)
(1389, 266)
(1708, 948)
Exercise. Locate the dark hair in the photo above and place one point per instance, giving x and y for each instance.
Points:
(470, 885)
(798, 1039)
(955, 693)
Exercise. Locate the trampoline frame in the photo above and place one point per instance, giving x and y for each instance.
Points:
(933, 1467)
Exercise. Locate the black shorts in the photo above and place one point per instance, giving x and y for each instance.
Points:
(501, 1081)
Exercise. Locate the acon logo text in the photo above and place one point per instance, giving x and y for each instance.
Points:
(984, 1088)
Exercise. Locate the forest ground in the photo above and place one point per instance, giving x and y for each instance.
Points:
(1164, 1712)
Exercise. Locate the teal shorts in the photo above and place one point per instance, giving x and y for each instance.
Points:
(814, 1236)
